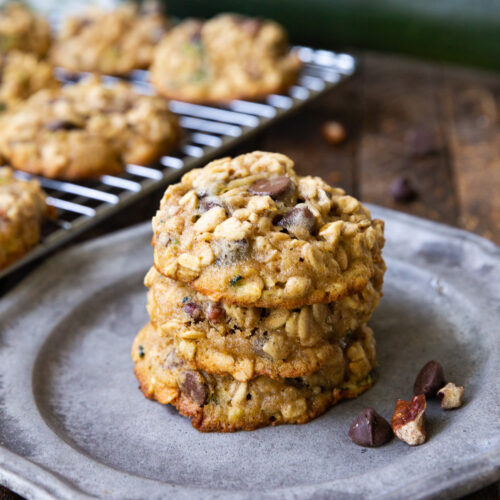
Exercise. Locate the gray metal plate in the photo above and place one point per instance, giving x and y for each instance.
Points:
(74, 425)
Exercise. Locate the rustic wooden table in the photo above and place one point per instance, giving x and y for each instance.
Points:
(435, 125)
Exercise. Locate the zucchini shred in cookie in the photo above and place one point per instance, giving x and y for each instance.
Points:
(262, 287)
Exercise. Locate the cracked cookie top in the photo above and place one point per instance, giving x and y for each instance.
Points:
(249, 231)
(21, 29)
(224, 58)
(86, 130)
(109, 42)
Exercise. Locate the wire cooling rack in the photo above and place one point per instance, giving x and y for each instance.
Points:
(209, 132)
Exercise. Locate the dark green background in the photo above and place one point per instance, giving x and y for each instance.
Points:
(462, 31)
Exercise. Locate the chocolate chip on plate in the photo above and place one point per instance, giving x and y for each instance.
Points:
(194, 387)
(429, 379)
(370, 429)
(420, 142)
(57, 124)
(274, 187)
(402, 190)
(299, 221)
(193, 310)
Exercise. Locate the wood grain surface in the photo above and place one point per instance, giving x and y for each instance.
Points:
(437, 126)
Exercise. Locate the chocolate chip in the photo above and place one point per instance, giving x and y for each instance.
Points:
(193, 385)
(299, 222)
(231, 251)
(296, 382)
(420, 142)
(207, 202)
(55, 125)
(193, 310)
(402, 190)
(172, 360)
(215, 312)
(429, 379)
(370, 429)
(257, 346)
(196, 33)
(274, 187)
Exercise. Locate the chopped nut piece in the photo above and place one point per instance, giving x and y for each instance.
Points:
(408, 421)
(429, 379)
(451, 396)
(333, 132)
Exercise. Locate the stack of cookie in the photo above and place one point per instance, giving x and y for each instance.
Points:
(262, 286)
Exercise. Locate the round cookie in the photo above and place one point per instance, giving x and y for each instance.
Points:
(86, 130)
(109, 42)
(22, 30)
(22, 210)
(249, 231)
(23, 75)
(228, 57)
(246, 342)
(220, 403)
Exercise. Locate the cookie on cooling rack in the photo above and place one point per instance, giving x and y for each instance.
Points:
(23, 75)
(22, 210)
(221, 403)
(21, 29)
(86, 130)
(111, 42)
(248, 341)
(227, 57)
(249, 231)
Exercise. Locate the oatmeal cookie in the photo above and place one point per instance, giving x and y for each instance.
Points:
(109, 42)
(86, 130)
(249, 231)
(221, 403)
(227, 57)
(23, 75)
(248, 341)
(22, 210)
(22, 30)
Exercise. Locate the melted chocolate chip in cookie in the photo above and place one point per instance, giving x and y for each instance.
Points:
(194, 387)
(207, 202)
(215, 312)
(193, 310)
(299, 222)
(274, 187)
(60, 124)
(232, 251)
